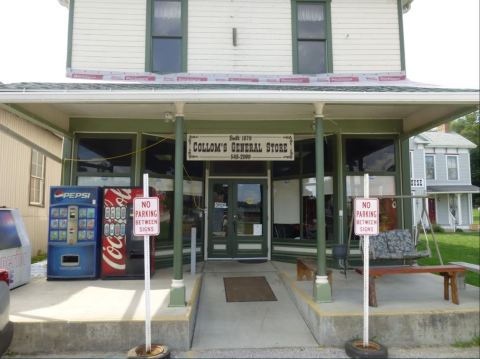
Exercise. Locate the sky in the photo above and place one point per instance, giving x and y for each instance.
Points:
(441, 41)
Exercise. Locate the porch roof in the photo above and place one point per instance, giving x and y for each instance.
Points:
(453, 189)
(417, 107)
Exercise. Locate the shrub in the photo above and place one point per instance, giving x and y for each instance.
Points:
(437, 229)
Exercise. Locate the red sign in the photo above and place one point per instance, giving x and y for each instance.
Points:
(366, 216)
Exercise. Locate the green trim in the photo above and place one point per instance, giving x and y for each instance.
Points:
(134, 125)
(328, 35)
(29, 143)
(398, 183)
(338, 192)
(34, 119)
(322, 293)
(185, 35)
(401, 35)
(320, 197)
(75, 175)
(178, 201)
(148, 35)
(232, 240)
(177, 297)
(138, 181)
(406, 189)
(67, 165)
(71, 10)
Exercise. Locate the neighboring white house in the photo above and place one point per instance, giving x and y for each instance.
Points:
(30, 162)
(442, 160)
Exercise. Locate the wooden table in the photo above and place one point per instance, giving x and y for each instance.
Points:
(449, 273)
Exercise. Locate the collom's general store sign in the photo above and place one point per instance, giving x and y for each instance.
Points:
(240, 147)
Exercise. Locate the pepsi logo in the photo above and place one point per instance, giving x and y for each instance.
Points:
(71, 195)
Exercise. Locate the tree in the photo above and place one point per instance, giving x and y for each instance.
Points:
(469, 127)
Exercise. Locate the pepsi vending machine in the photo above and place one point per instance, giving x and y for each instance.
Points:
(74, 232)
(122, 252)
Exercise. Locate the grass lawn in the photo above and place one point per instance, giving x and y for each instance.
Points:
(455, 247)
(476, 216)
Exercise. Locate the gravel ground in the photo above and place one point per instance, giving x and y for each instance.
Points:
(312, 352)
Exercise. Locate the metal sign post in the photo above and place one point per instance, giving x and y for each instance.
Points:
(366, 224)
(146, 255)
(146, 219)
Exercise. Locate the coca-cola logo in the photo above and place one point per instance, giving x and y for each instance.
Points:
(112, 254)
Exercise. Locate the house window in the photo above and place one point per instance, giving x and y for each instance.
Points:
(167, 36)
(37, 178)
(430, 167)
(452, 168)
(311, 34)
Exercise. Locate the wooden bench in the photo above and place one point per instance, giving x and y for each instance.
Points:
(461, 275)
(449, 273)
(307, 270)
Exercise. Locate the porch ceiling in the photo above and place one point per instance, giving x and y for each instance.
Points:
(418, 108)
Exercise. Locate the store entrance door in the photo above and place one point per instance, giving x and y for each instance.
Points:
(237, 221)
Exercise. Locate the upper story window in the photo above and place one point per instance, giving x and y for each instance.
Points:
(37, 178)
(311, 29)
(452, 168)
(167, 37)
(430, 167)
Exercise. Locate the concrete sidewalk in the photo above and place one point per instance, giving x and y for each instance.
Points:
(221, 324)
(92, 315)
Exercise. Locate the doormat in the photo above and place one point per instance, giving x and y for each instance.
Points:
(248, 289)
(252, 261)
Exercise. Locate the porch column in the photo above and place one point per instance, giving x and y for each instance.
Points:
(67, 161)
(177, 290)
(338, 188)
(321, 289)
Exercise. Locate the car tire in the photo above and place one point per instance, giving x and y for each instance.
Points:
(354, 349)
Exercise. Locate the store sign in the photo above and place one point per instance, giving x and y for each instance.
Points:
(240, 147)
(366, 216)
(417, 183)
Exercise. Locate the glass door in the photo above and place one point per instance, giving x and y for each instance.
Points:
(238, 219)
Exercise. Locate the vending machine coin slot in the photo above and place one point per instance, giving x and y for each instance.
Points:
(70, 260)
(72, 234)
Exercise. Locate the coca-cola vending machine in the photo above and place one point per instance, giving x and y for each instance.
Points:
(122, 252)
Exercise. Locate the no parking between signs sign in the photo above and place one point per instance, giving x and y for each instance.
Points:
(146, 216)
(366, 216)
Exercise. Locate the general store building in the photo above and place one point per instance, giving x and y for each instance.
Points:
(326, 79)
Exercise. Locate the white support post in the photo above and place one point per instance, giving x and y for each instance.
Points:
(193, 251)
(146, 255)
(366, 268)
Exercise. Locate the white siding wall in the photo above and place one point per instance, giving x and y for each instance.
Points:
(264, 36)
(109, 35)
(15, 175)
(365, 36)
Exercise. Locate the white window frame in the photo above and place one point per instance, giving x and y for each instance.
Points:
(37, 179)
(434, 167)
(411, 164)
(458, 170)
